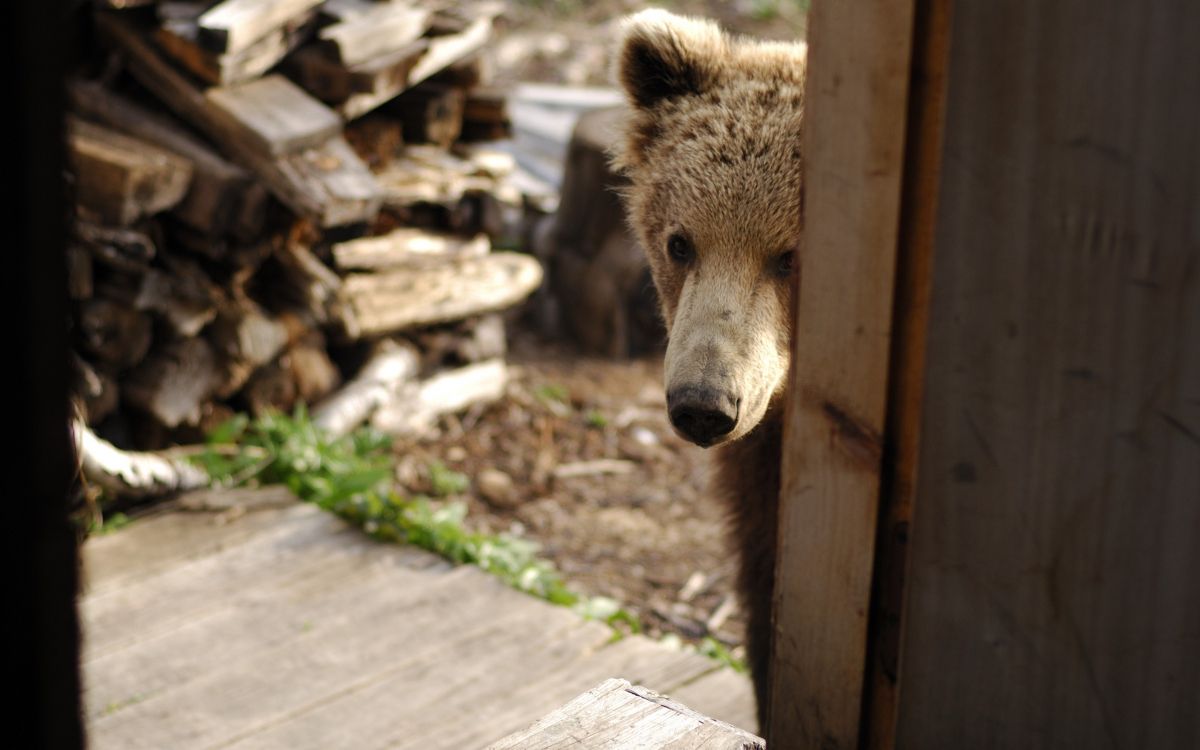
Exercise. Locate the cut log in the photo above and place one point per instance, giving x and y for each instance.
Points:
(315, 288)
(397, 300)
(219, 189)
(406, 247)
(327, 183)
(310, 368)
(377, 383)
(179, 37)
(183, 295)
(274, 115)
(600, 272)
(123, 249)
(130, 473)
(462, 343)
(235, 25)
(377, 30)
(114, 333)
(270, 389)
(442, 52)
(120, 179)
(173, 384)
(485, 115)
(246, 339)
(431, 113)
(417, 406)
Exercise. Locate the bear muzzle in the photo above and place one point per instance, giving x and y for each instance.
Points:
(702, 415)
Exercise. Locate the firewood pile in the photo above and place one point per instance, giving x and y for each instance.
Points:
(291, 201)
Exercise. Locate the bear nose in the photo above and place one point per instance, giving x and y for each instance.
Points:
(702, 415)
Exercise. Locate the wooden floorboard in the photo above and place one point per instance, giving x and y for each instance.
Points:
(285, 628)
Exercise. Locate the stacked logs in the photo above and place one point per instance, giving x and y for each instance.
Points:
(290, 201)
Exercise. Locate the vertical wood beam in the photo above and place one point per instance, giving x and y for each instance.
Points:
(860, 57)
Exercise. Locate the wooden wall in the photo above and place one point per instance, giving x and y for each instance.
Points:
(1054, 587)
(990, 536)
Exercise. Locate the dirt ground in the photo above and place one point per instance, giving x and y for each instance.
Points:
(579, 457)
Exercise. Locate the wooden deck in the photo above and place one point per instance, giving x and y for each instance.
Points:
(285, 628)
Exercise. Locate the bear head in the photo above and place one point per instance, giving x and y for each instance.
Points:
(712, 150)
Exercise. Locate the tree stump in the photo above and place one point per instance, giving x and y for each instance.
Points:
(596, 266)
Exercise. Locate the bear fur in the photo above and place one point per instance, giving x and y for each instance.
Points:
(712, 150)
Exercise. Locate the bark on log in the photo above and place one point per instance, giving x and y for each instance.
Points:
(397, 300)
(391, 365)
(120, 179)
(173, 384)
(132, 473)
(416, 408)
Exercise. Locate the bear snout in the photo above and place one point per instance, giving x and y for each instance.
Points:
(702, 415)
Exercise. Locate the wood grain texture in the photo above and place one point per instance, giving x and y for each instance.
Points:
(856, 100)
(393, 300)
(615, 714)
(1053, 597)
(282, 627)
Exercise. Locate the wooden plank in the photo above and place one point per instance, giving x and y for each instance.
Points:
(218, 187)
(179, 37)
(722, 694)
(914, 280)
(856, 100)
(407, 246)
(616, 714)
(635, 658)
(486, 669)
(379, 30)
(327, 183)
(327, 587)
(275, 115)
(394, 300)
(467, 615)
(234, 25)
(120, 179)
(1052, 595)
(441, 52)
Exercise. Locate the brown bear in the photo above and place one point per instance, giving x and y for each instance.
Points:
(712, 150)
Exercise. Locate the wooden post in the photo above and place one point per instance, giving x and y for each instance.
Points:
(857, 97)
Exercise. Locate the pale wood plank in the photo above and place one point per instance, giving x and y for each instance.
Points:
(436, 695)
(854, 140)
(463, 617)
(394, 300)
(241, 622)
(406, 246)
(234, 25)
(1052, 597)
(275, 115)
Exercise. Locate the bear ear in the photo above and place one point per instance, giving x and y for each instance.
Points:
(663, 56)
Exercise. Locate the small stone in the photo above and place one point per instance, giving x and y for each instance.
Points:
(456, 454)
(497, 488)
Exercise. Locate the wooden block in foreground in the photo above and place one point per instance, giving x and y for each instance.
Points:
(276, 115)
(234, 25)
(615, 714)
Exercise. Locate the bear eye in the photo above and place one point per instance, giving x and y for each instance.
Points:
(784, 263)
(680, 249)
